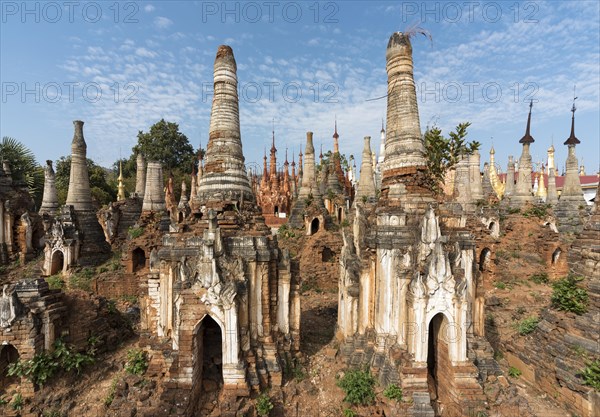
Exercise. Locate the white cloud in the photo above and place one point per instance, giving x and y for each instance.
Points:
(162, 22)
(149, 8)
(143, 52)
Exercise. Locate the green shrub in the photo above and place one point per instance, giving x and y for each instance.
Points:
(111, 393)
(358, 386)
(591, 375)
(82, 280)
(393, 392)
(17, 402)
(345, 223)
(527, 325)
(137, 362)
(263, 404)
(514, 210)
(537, 211)
(500, 285)
(135, 232)
(568, 296)
(44, 365)
(349, 413)
(514, 372)
(541, 278)
(55, 282)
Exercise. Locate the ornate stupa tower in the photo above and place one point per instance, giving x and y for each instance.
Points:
(405, 164)
(523, 190)
(79, 195)
(571, 201)
(50, 198)
(224, 177)
(551, 163)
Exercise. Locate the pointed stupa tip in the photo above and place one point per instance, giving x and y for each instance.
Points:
(335, 132)
(382, 126)
(572, 140)
(528, 138)
(78, 140)
(492, 150)
(225, 53)
(399, 42)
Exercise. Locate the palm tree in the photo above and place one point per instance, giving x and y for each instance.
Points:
(23, 166)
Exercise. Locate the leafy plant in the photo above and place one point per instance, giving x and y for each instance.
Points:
(45, 365)
(500, 285)
(358, 386)
(537, 211)
(514, 372)
(24, 168)
(111, 393)
(135, 232)
(137, 362)
(263, 404)
(55, 282)
(541, 278)
(591, 375)
(527, 325)
(393, 392)
(17, 402)
(349, 413)
(568, 296)
(444, 153)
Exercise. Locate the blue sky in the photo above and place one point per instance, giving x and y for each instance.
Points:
(121, 68)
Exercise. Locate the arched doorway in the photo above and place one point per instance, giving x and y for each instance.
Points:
(556, 256)
(208, 364)
(438, 361)
(314, 226)
(180, 217)
(138, 259)
(58, 262)
(276, 211)
(340, 212)
(484, 259)
(8, 355)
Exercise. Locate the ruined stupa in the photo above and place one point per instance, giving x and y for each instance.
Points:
(222, 303)
(224, 175)
(407, 276)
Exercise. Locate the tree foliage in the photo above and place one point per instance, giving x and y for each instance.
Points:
(443, 153)
(164, 143)
(23, 166)
(102, 192)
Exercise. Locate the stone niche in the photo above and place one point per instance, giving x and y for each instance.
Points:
(31, 319)
(227, 307)
(406, 297)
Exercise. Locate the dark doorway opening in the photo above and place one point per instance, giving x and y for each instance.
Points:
(8, 355)
(484, 259)
(208, 365)
(314, 226)
(58, 262)
(138, 259)
(438, 361)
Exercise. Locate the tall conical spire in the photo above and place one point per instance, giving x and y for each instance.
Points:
(79, 195)
(50, 197)
(336, 145)
(120, 186)
(404, 144)
(224, 176)
(140, 176)
(523, 189)
(527, 138)
(366, 184)
(572, 140)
